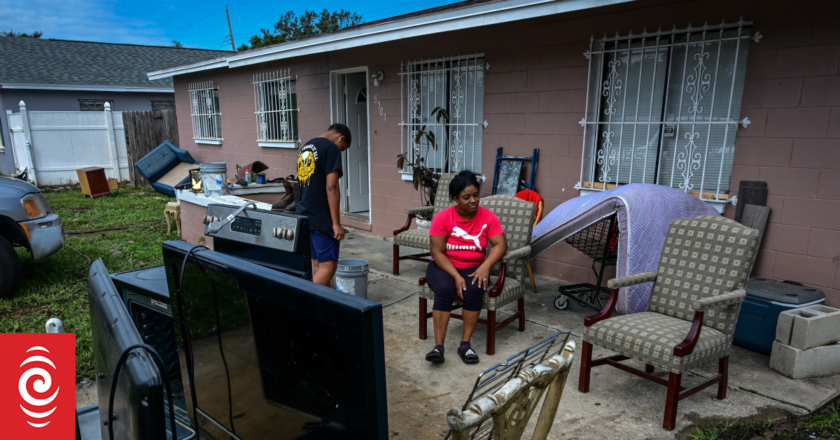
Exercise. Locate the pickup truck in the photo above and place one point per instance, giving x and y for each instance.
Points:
(26, 220)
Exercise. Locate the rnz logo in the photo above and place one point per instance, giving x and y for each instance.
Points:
(37, 386)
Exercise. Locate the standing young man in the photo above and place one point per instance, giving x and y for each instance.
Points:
(318, 169)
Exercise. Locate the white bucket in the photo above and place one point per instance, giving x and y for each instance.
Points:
(214, 178)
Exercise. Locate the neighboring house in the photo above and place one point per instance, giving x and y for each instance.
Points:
(628, 91)
(65, 75)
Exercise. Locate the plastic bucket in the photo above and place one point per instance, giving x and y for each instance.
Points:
(214, 178)
(351, 277)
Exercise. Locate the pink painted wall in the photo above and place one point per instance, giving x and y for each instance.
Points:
(535, 94)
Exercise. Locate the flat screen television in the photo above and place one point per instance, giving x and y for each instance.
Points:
(139, 401)
(273, 356)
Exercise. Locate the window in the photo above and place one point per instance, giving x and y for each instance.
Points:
(94, 105)
(275, 97)
(163, 105)
(206, 118)
(457, 85)
(663, 108)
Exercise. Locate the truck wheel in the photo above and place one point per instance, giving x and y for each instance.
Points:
(9, 267)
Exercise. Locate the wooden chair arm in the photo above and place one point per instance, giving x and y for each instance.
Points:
(686, 347)
(606, 312)
(405, 226)
(496, 290)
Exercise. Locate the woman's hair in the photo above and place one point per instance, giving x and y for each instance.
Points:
(462, 180)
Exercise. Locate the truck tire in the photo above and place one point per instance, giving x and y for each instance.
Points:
(9, 267)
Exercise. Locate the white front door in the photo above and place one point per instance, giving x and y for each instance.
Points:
(357, 172)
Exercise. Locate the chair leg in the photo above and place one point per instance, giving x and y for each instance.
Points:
(521, 304)
(585, 367)
(168, 224)
(423, 319)
(491, 332)
(648, 368)
(723, 369)
(396, 259)
(531, 276)
(671, 401)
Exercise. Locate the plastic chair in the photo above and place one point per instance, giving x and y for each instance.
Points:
(533, 197)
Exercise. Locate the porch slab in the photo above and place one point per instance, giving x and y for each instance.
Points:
(618, 405)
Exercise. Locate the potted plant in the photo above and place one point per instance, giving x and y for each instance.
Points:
(424, 179)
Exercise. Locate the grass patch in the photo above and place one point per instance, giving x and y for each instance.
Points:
(45, 292)
(822, 425)
(732, 431)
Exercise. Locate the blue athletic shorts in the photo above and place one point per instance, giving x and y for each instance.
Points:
(324, 247)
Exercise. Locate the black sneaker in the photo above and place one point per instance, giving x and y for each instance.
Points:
(281, 205)
(435, 356)
(291, 207)
(467, 354)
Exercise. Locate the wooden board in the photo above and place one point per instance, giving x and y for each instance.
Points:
(177, 174)
(144, 131)
(510, 173)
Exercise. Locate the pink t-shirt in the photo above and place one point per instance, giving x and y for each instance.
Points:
(466, 243)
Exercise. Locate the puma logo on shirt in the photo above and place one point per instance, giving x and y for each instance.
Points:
(458, 232)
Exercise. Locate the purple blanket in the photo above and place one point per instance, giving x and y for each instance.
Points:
(644, 213)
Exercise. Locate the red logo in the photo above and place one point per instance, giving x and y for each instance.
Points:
(37, 386)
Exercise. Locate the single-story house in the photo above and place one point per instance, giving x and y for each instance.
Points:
(66, 75)
(696, 95)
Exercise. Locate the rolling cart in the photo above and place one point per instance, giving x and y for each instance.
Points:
(599, 242)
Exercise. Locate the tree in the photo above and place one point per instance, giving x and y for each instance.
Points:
(291, 27)
(12, 33)
(177, 44)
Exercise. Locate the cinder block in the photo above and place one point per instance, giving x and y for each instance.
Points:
(809, 327)
(798, 364)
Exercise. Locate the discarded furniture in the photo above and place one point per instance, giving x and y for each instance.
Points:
(166, 167)
(505, 396)
(693, 308)
(767, 299)
(508, 277)
(93, 182)
(600, 243)
(644, 209)
(533, 197)
(806, 342)
(507, 173)
(419, 238)
(173, 209)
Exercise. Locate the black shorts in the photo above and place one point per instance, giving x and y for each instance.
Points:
(444, 287)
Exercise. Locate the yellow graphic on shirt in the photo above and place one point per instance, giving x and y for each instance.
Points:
(305, 167)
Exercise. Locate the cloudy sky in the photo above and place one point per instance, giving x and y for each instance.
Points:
(194, 23)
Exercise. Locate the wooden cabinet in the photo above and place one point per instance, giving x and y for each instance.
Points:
(93, 181)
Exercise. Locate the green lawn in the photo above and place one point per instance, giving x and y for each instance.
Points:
(45, 292)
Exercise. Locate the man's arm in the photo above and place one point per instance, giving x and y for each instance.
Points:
(334, 199)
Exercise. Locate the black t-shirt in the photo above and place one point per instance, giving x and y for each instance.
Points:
(317, 158)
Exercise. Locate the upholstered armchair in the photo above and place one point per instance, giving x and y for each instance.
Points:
(692, 311)
(509, 276)
(419, 238)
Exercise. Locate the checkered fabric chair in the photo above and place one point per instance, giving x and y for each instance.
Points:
(419, 238)
(508, 277)
(692, 311)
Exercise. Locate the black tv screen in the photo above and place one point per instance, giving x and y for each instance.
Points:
(139, 401)
(273, 356)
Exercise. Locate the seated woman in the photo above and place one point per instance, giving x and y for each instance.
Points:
(459, 236)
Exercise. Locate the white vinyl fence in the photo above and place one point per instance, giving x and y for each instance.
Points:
(59, 143)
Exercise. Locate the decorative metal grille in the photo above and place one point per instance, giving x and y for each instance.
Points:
(204, 109)
(275, 97)
(457, 85)
(663, 108)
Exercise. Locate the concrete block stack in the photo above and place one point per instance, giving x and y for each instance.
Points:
(806, 342)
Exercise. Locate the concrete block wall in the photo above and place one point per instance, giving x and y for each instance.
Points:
(535, 94)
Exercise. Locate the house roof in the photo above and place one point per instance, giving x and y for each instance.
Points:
(457, 16)
(86, 65)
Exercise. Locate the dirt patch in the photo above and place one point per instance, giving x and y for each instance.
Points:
(85, 393)
(768, 423)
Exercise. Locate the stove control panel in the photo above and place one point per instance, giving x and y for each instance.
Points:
(270, 229)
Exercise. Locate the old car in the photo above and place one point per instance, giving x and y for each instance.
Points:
(26, 220)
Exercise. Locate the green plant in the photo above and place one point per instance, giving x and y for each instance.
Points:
(830, 420)
(424, 179)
